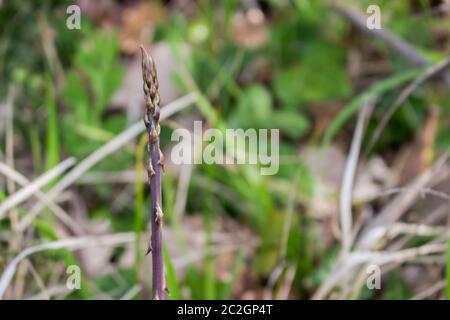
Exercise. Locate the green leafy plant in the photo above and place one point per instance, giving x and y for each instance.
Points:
(90, 84)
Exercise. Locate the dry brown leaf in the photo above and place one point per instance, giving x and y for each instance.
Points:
(138, 24)
(327, 166)
(427, 138)
(250, 29)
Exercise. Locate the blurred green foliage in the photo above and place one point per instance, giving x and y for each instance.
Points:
(90, 84)
(305, 55)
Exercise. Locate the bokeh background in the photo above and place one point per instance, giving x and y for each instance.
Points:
(363, 184)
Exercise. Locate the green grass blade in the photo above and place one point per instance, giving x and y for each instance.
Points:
(52, 150)
(357, 102)
(139, 203)
(171, 278)
(226, 291)
(448, 269)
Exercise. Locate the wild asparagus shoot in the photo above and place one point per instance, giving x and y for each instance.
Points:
(154, 166)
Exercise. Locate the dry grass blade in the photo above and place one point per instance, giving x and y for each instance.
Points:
(398, 206)
(431, 290)
(59, 291)
(349, 176)
(70, 244)
(416, 229)
(108, 148)
(21, 195)
(57, 210)
(182, 191)
(347, 265)
(130, 294)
